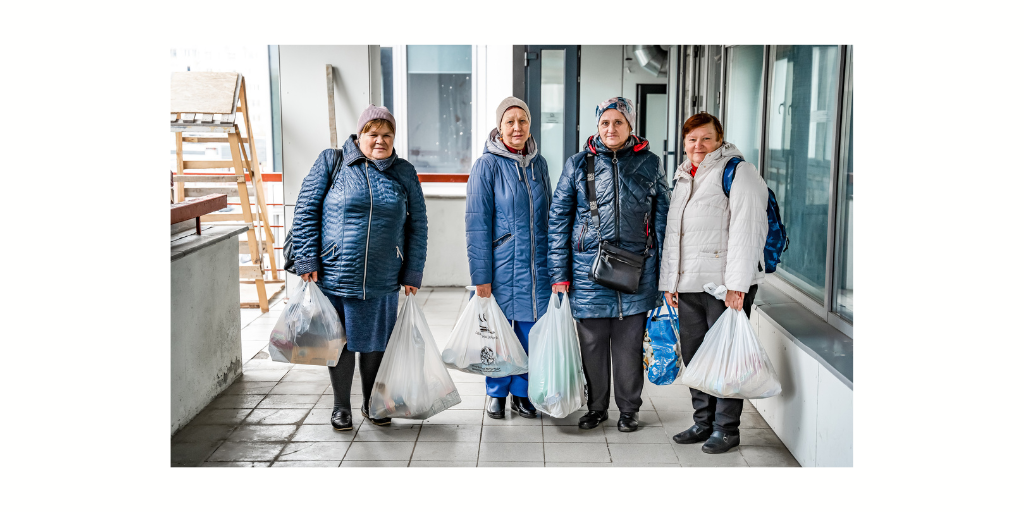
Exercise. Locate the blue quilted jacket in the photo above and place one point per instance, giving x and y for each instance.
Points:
(639, 203)
(365, 230)
(507, 200)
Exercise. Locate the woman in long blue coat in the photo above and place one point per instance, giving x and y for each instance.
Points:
(507, 201)
(360, 231)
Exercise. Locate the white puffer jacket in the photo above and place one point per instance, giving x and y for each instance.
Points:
(711, 237)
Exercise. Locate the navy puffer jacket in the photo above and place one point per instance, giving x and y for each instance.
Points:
(639, 203)
(507, 200)
(367, 233)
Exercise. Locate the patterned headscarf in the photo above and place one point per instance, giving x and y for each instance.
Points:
(622, 105)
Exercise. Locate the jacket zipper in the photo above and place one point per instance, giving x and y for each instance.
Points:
(583, 233)
(615, 189)
(369, 224)
(533, 248)
(679, 259)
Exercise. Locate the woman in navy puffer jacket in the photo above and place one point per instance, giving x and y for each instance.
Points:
(632, 202)
(359, 231)
(507, 200)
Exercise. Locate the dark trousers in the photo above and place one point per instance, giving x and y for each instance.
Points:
(697, 313)
(606, 343)
(343, 373)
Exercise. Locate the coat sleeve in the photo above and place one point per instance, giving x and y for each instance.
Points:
(415, 235)
(748, 227)
(560, 224)
(479, 220)
(306, 221)
(662, 200)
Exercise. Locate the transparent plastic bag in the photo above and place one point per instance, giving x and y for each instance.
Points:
(412, 382)
(731, 363)
(662, 356)
(309, 330)
(484, 343)
(557, 385)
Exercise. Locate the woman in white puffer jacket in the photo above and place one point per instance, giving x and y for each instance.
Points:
(712, 238)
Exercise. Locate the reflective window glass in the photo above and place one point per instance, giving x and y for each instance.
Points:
(801, 135)
(742, 121)
(440, 111)
(843, 302)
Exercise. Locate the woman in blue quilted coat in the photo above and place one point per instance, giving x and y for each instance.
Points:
(360, 231)
(507, 200)
(632, 202)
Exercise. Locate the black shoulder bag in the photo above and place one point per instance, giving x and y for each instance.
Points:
(613, 267)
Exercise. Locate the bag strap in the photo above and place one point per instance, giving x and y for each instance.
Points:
(592, 193)
(729, 173)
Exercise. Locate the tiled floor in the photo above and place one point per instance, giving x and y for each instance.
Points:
(278, 414)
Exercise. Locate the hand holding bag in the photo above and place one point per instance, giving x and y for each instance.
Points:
(484, 343)
(309, 330)
(731, 363)
(557, 385)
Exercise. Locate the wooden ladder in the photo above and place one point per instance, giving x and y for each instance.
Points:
(215, 103)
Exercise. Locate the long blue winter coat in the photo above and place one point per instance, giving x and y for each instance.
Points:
(367, 233)
(507, 200)
(639, 203)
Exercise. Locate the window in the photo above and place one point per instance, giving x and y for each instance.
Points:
(801, 137)
(439, 109)
(843, 299)
(744, 86)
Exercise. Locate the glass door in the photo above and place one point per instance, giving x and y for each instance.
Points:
(552, 93)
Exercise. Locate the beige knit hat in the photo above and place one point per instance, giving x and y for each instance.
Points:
(508, 103)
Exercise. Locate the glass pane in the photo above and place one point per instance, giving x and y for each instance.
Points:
(656, 119)
(714, 62)
(743, 106)
(844, 222)
(552, 111)
(801, 130)
(440, 108)
(387, 73)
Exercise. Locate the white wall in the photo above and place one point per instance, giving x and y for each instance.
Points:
(813, 416)
(305, 130)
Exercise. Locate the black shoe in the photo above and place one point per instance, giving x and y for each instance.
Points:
(592, 419)
(380, 422)
(522, 405)
(628, 421)
(720, 442)
(694, 434)
(495, 407)
(341, 419)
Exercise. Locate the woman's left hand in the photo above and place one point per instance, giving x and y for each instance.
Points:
(734, 299)
(410, 289)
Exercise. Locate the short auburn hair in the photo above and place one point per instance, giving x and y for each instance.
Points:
(697, 120)
(377, 124)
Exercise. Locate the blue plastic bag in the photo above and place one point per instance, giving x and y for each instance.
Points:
(662, 357)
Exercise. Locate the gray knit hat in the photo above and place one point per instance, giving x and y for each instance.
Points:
(374, 112)
(508, 103)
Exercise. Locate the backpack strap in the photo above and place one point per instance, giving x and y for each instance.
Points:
(729, 173)
(592, 192)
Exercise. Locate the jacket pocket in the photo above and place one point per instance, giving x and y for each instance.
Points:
(501, 240)
(582, 236)
(399, 252)
(329, 251)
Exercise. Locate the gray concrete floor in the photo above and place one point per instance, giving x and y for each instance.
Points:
(278, 414)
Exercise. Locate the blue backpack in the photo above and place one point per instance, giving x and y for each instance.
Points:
(777, 241)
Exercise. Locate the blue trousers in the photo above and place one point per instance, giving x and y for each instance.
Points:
(500, 386)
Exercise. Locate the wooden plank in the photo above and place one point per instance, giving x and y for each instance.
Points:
(222, 217)
(330, 106)
(211, 128)
(208, 164)
(179, 188)
(197, 207)
(250, 272)
(207, 140)
(231, 192)
(243, 246)
(207, 179)
(188, 118)
(204, 92)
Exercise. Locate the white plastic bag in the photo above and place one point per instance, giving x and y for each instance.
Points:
(308, 331)
(557, 385)
(484, 343)
(731, 363)
(412, 382)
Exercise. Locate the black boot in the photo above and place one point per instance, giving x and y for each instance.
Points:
(628, 421)
(341, 419)
(592, 419)
(495, 407)
(720, 442)
(522, 405)
(694, 434)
